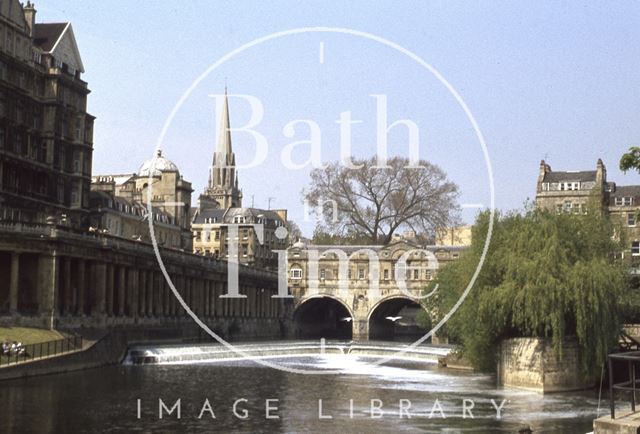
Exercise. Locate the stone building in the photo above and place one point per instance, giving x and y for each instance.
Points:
(220, 205)
(56, 271)
(46, 133)
(368, 293)
(456, 236)
(119, 203)
(575, 191)
(61, 278)
(122, 218)
(571, 191)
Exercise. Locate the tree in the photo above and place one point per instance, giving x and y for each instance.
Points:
(630, 160)
(320, 237)
(545, 275)
(293, 231)
(373, 203)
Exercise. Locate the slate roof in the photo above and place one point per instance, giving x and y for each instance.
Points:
(226, 215)
(584, 176)
(624, 191)
(45, 35)
(103, 199)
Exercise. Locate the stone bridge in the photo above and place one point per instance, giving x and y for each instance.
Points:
(358, 291)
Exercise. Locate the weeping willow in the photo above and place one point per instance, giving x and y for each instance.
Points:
(546, 275)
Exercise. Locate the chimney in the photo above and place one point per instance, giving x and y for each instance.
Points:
(30, 16)
(601, 173)
(282, 213)
(544, 169)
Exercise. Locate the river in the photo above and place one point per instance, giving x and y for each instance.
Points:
(361, 398)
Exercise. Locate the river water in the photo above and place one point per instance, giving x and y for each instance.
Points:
(106, 400)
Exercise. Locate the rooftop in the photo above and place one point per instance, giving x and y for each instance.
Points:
(45, 35)
(567, 176)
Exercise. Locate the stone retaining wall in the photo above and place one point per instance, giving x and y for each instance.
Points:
(530, 363)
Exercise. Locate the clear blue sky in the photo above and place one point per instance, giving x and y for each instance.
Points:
(554, 80)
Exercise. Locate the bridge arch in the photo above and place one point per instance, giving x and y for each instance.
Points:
(395, 318)
(323, 316)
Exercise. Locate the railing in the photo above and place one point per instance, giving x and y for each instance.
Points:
(627, 343)
(42, 350)
(631, 359)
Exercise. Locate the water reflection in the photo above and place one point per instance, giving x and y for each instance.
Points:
(105, 400)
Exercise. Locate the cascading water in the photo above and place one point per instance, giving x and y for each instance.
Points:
(209, 353)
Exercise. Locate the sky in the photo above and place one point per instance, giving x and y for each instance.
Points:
(558, 81)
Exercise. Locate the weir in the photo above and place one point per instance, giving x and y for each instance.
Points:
(210, 353)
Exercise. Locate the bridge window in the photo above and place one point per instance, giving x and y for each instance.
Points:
(386, 274)
(360, 273)
(323, 274)
(416, 274)
(296, 273)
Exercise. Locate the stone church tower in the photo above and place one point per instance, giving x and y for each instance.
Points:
(222, 190)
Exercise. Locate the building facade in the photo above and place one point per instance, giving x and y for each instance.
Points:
(576, 191)
(119, 204)
(260, 231)
(46, 134)
(365, 281)
(58, 269)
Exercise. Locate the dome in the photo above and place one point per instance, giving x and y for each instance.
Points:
(159, 163)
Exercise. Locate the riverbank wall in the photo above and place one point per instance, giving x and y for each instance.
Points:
(531, 363)
(110, 346)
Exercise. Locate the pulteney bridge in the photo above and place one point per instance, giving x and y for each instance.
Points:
(357, 291)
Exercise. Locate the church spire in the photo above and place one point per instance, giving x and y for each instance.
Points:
(223, 179)
(224, 139)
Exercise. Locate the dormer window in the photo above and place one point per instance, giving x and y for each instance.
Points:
(624, 201)
(569, 186)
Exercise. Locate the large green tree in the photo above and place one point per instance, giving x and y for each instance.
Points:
(630, 160)
(545, 275)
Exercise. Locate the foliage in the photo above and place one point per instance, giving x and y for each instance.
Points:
(423, 318)
(545, 275)
(321, 237)
(294, 231)
(630, 303)
(631, 160)
(373, 202)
